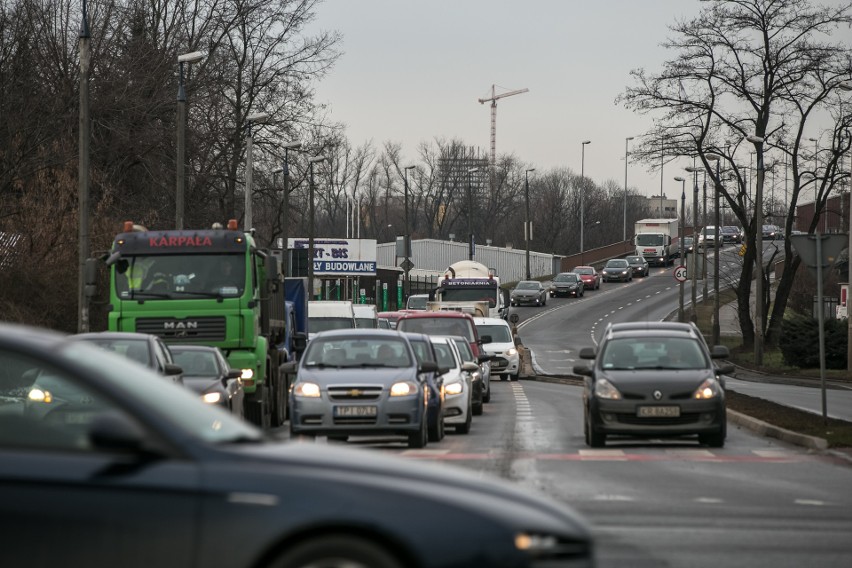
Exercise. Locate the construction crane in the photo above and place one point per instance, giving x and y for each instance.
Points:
(493, 98)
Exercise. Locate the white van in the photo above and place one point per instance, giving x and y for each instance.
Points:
(366, 316)
(417, 302)
(506, 362)
(329, 314)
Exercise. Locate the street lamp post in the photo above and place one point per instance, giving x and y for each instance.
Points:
(693, 270)
(527, 226)
(470, 214)
(680, 315)
(252, 119)
(311, 228)
(285, 205)
(406, 242)
(582, 191)
(816, 166)
(193, 57)
(626, 141)
(83, 173)
(758, 251)
(717, 182)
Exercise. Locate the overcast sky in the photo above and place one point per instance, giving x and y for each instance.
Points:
(412, 71)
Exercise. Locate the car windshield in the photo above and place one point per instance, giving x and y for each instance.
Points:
(196, 362)
(174, 404)
(665, 353)
(417, 302)
(438, 326)
(133, 349)
(528, 285)
(357, 351)
(565, 278)
(445, 355)
(583, 270)
(498, 333)
(464, 350)
(635, 259)
(617, 264)
(317, 325)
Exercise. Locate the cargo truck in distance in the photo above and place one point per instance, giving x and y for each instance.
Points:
(655, 240)
(466, 282)
(212, 287)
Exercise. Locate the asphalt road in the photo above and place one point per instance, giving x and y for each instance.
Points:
(758, 502)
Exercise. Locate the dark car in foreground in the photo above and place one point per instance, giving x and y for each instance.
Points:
(365, 382)
(139, 473)
(145, 349)
(617, 269)
(653, 380)
(206, 371)
(530, 292)
(567, 284)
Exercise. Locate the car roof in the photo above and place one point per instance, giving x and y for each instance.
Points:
(641, 328)
(362, 332)
(185, 347)
(435, 314)
(114, 335)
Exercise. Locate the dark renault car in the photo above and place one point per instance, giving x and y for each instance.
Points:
(654, 379)
(365, 382)
(137, 472)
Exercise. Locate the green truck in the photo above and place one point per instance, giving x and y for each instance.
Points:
(210, 287)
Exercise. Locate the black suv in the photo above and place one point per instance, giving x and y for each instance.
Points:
(652, 379)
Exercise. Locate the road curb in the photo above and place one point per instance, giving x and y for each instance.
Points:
(770, 431)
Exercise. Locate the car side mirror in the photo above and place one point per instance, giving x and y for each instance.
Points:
(470, 367)
(288, 367)
(720, 352)
(583, 370)
(300, 341)
(725, 369)
(114, 431)
(170, 369)
(485, 357)
(233, 374)
(428, 367)
(588, 353)
(485, 339)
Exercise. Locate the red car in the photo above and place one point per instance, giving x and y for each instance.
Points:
(591, 278)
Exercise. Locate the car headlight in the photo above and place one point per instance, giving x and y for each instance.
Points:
(535, 543)
(710, 388)
(38, 395)
(403, 388)
(605, 389)
(512, 352)
(307, 390)
(212, 397)
(454, 388)
(624, 272)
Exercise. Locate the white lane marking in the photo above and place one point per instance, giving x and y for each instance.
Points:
(424, 452)
(809, 502)
(601, 453)
(613, 498)
(772, 453)
(691, 453)
(708, 500)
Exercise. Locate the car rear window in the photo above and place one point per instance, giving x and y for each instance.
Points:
(438, 326)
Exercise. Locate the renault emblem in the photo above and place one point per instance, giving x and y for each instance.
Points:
(658, 395)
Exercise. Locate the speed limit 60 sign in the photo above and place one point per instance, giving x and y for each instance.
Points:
(680, 273)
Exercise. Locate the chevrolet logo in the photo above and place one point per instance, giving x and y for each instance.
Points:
(355, 393)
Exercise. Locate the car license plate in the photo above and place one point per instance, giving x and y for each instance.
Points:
(356, 410)
(658, 411)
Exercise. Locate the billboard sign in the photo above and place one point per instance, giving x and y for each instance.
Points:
(340, 257)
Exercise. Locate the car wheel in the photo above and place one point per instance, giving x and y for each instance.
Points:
(336, 550)
(419, 439)
(279, 397)
(514, 377)
(477, 409)
(594, 439)
(486, 396)
(436, 434)
(338, 438)
(465, 428)
(715, 439)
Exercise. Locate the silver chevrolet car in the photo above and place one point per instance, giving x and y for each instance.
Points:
(361, 382)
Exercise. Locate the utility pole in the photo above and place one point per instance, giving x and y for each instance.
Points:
(83, 174)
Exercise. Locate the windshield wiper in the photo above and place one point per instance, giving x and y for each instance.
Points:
(133, 295)
(202, 294)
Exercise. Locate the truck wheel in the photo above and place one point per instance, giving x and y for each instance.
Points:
(336, 550)
(257, 408)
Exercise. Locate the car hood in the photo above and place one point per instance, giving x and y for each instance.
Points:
(359, 375)
(353, 473)
(498, 347)
(670, 382)
(565, 284)
(614, 269)
(201, 384)
(526, 292)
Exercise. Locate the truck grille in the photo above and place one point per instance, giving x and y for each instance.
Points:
(187, 329)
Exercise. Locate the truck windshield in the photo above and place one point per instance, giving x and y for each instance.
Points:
(317, 325)
(470, 295)
(649, 240)
(180, 276)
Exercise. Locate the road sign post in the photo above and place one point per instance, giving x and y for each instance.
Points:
(818, 252)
